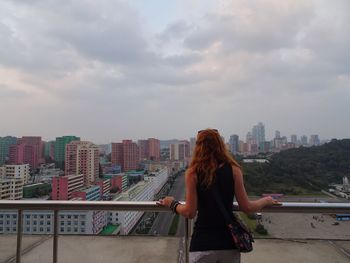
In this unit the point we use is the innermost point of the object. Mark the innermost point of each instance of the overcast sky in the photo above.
(109, 70)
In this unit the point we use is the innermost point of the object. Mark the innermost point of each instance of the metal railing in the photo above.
(56, 206)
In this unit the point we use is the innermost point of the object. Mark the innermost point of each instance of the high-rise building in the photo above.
(126, 154)
(277, 134)
(35, 141)
(234, 143)
(5, 143)
(304, 140)
(180, 151)
(314, 140)
(82, 158)
(23, 153)
(49, 152)
(143, 149)
(294, 139)
(149, 149)
(60, 149)
(258, 133)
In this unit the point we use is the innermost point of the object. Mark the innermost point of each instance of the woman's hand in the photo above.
(269, 201)
(166, 201)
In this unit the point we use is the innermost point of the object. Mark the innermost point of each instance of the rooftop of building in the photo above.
(133, 191)
(132, 249)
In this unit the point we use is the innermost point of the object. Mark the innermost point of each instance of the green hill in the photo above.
(301, 170)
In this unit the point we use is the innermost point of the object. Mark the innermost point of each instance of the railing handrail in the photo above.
(284, 207)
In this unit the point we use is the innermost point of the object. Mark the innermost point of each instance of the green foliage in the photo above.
(300, 171)
(261, 229)
(174, 225)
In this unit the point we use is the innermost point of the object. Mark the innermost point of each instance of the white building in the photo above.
(12, 179)
(15, 171)
(41, 222)
(11, 189)
(158, 179)
(142, 191)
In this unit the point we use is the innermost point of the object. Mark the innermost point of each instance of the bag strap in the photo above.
(221, 206)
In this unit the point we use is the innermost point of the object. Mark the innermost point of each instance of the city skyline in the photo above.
(117, 70)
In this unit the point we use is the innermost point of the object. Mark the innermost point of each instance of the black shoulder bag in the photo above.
(241, 236)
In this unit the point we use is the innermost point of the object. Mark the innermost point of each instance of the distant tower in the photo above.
(126, 154)
(345, 180)
(234, 143)
(258, 133)
(277, 134)
(82, 158)
(294, 139)
(314, 140)
(304, 140)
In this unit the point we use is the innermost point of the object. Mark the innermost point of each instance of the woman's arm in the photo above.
(244, 203)
(189, 209)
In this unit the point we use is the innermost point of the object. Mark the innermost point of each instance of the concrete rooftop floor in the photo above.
(130, 249)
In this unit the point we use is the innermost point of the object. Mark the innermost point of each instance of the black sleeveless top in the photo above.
(210, 231)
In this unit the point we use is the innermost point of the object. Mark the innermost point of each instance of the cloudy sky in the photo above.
(108, 70)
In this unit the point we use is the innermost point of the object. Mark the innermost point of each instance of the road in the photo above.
(163, 221)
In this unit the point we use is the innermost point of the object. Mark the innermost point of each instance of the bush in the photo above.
(261, 229)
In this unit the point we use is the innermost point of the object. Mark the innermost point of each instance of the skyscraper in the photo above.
(82, 158)
(126, 154)
(258, 133)
(294, 139)
(234, 143)
(314, 140)
(60, 149)
(180, 151)
(149, 149)
(26, 152)
(304, 140)
(5, 143)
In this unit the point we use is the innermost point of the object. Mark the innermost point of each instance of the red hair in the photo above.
(208, 154)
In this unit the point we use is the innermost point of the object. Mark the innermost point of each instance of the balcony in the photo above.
(87, 248)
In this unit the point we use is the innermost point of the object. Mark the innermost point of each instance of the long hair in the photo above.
(208, 154)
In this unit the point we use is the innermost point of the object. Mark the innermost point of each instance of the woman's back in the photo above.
(210, 231)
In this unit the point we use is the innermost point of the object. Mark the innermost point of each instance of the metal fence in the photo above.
(56, 206)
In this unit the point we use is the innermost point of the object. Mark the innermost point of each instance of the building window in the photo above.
(62, 223)
(62, 229)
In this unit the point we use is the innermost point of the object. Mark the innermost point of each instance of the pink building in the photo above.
(149, 149)
(82, 158)
(125, 154)
(154, 149)
(64, 186)
(23, 153)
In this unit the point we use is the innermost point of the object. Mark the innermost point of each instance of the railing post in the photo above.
(19, 235)
(187, 231)
(55, 235)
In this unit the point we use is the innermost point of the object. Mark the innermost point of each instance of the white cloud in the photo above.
(285, 63)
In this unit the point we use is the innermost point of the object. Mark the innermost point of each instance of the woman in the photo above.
(212, 165)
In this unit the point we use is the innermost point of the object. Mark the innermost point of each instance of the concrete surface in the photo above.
(132, 249)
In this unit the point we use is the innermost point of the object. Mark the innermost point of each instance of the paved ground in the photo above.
(303, 226)
(137, 249)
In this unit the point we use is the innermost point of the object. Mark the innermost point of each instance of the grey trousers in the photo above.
(216, 256)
